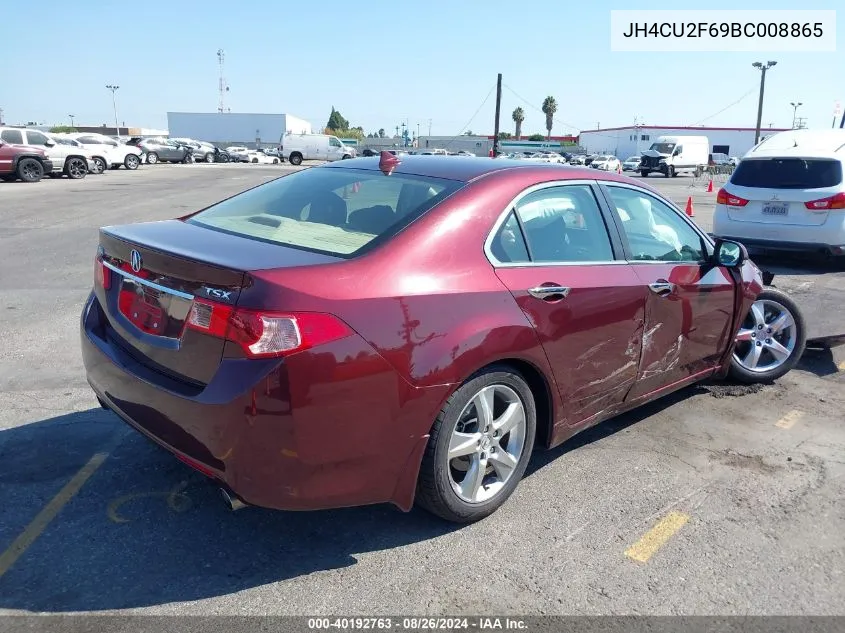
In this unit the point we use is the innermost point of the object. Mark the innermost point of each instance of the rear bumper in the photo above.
(319, 430)
(827, 238)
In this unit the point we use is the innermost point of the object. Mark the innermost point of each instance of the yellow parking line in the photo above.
(789, 420)
(652, 540)
(40, 522)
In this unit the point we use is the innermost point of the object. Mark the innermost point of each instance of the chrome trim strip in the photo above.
(144, 282)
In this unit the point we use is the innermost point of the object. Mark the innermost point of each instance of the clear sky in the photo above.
(380, 63)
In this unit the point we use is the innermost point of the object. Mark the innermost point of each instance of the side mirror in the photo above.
(50, 142)
(729, 254)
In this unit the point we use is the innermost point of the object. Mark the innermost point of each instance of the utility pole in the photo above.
(114, 89)
(836, 109)
(498, 111)
(1, 116)
(222, 86)
(429, 127)
(71, 117)
(759, 66)
(795, 105)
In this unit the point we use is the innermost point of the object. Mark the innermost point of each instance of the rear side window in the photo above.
(788, 173)
(328, 210)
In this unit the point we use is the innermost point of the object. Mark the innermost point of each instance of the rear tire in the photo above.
(644, 173)
(30, 170)
(775, 328)
(295, 158)
(499, 466)
(209, 158)
(152, 158)
(76, 168)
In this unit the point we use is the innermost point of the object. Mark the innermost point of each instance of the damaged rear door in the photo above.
(556, 256)
(690, 302)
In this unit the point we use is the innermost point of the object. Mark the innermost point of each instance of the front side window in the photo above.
(333, 211)
(33, 137)
(559, 225)
(334, 142)
(654, 230)
(14, 137)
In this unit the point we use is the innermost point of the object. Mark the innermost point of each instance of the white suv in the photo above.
(68, 160)
(787, 193)
(109, 152)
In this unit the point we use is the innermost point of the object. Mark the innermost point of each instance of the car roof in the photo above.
(468, 169)
(827, 143)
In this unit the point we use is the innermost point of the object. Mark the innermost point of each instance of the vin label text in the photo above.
(723, 31)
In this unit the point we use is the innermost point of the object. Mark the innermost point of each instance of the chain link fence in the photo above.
(719, 174)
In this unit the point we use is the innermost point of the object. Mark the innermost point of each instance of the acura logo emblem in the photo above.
(135, 260)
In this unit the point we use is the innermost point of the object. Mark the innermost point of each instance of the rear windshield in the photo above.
(328, 210)
(788, 173)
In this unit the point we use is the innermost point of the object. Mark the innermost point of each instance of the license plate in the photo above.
(776, 209)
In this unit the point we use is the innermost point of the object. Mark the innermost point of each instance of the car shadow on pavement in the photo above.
(798, 264)
(146, 530)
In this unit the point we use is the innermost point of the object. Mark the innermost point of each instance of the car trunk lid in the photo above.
(157, 270)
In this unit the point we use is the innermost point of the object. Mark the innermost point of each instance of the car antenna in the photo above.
(387, 162)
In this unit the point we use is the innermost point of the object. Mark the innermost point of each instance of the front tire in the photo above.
(644, 173)
(479, 447)
(101, 163)
(209, 158)
(770, 340)
(30, 170)
(131, 162)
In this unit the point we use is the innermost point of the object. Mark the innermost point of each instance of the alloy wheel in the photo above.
(486, 444)
(767, 337)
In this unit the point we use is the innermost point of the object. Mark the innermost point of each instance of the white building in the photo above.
(234, 128)
(632, 140)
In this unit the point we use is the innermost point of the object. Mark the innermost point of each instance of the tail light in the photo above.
(266, 334)
(102, 275)
(724, 197)
(826, 204)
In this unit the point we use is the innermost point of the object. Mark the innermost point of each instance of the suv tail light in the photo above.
(266, 334)
(826, 204)
(102, 275)
(724, 197)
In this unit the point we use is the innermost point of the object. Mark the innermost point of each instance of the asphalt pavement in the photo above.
(716, 500)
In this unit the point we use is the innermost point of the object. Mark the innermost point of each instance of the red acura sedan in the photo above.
(408, 329)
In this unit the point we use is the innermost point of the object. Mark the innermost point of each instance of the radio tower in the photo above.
(223, 87)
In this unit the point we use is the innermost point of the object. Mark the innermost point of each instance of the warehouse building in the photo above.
(632, 140)
(231, 128)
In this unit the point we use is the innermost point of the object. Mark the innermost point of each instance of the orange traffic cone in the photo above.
(619, 169)
(710, 186)
(689, 210)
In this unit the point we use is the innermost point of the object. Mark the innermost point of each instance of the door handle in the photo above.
(548, 292)
(662, 287)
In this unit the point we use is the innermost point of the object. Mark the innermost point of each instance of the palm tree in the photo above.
(518, 117)
(549, 109)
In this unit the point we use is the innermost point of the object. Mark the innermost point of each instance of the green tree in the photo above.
(504, 136)
(381, 133)
(62, 129)
(549, 109)
(337, 122)
(518, 117)
(536, 137)
(468, 133)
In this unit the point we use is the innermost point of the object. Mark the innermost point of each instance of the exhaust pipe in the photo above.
(231, 501)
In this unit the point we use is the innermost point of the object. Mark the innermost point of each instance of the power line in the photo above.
(727, 107)
(468, 123)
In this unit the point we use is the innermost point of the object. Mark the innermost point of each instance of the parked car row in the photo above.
(29, 155)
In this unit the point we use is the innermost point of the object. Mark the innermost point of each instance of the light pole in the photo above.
(114, 105)
(71, 117)
(795, 105)
(762, 68)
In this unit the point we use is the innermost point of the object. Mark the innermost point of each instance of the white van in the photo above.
(299, 147)
(673, 155)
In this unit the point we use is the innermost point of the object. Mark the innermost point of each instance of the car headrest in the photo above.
(328, 208)
(373, 220)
